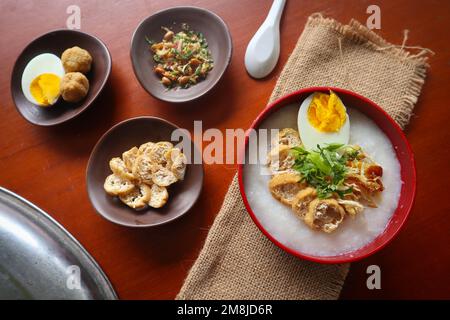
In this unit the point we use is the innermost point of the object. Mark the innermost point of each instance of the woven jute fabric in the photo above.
(237, 260)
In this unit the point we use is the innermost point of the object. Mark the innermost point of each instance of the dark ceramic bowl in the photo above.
(123, 136)
(56, 42)
(213, 28)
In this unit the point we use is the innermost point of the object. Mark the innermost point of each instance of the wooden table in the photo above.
(47, 165)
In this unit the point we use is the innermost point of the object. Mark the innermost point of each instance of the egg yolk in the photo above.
(326, 112)
(45, 88)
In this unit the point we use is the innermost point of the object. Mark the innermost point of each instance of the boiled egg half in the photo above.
(323, 119)
(41, 79)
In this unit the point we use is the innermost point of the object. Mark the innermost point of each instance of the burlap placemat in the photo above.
(237, 260)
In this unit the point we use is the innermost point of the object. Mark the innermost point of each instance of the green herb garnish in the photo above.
(182, 58)
(325, 168)
(157, 58)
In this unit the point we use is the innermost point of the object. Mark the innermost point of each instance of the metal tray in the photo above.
(39, 259)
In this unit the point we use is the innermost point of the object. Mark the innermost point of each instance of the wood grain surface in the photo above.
(47, 165)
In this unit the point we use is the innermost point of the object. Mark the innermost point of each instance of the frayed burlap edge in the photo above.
(360, 34)
(308, 277)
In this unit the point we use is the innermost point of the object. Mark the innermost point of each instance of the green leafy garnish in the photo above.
(325, 168)
(157, 58)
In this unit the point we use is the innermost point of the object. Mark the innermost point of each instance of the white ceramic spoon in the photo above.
(263, 49)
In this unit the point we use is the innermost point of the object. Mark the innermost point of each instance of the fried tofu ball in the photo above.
(74, 86)
(76, 59)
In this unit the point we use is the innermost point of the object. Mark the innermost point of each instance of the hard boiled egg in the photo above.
(41, 79)
(323, 119)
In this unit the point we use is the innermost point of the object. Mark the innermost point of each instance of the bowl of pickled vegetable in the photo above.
(180, 54)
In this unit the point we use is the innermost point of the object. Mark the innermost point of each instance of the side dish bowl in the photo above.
(200, 20)
(56, 42)
(123, 136)
(400, 146)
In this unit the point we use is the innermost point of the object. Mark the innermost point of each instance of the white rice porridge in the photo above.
(284, 226)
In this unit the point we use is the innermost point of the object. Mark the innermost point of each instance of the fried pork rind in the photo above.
(138, 198)
(129, 157)
(162, 176)
(176, 162)
(118, 167)
(158, 153)
(351, 207)
(289, 137)
(324, 215)
(140, 178)
(142, 169)
(145, 148)
(281, 159)
(285, 186)
(159, 196)
(115, 185)
(301, 201)
(358, 176)
(363, 188)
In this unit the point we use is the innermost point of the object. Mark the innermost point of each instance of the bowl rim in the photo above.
(94, 97)
(337, 259)
(201, 93)
(97, 146)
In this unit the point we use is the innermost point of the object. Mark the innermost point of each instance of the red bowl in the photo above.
(404, 154)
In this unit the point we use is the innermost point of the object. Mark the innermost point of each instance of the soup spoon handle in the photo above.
(275, 12)
(263, 49)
